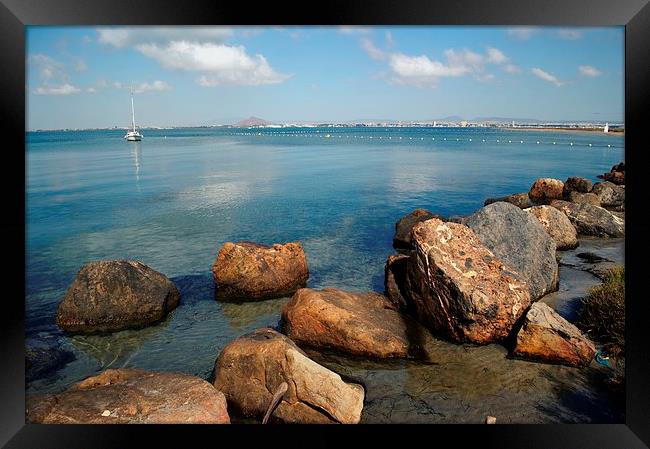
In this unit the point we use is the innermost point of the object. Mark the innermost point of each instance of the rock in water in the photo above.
(544, 190)
(132, 396)
(111, 295)
(592, 220)
(44, 357)
(251, 271)
(521, 242)
(615, 175)
(251, 368)
(546, 336)
(576, 184)
(404, 225)
(521, 200)
(362, 324)
(394, 277)
(609, 194)
(458, 286)
(557, 225)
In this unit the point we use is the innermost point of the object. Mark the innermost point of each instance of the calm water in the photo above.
(173, 199)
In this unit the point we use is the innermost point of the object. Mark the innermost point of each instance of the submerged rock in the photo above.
(547, 337)
(545, 190)
(609, 194)
(394, 277)
(250, 369)
(521, 200)
(521, 242)
(577, 184)
(44, 357)
(252, 271)
(132, 396)
(592, 220)
(404, 225)
(113, 295)
(362, 324)
(459, 288)
(557, 225)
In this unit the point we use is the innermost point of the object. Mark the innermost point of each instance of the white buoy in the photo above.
(538, 142)
(589, 144)
(521, 141)
(470, 140)
(571, 144)
(608, 145)
(445, 138)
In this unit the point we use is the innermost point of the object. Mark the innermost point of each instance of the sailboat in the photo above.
(133, 135)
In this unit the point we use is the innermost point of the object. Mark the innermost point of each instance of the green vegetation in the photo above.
(603, 313)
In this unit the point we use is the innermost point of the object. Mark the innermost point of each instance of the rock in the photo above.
(251, 271)
(583, 198)
(544, 190)
(521, 242)
(250, 369)
(576, 184)
(521, 200)
(609, 194)
(546, 336)
(459, 288)
(557, 225)
(616, 175)
(43, 358)
(112, 295)
(404, 225)
(592, 220)
(394, 277)
(360, 324)
(132, 396)
(490, 420)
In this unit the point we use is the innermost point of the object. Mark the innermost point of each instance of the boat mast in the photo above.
(132, 110)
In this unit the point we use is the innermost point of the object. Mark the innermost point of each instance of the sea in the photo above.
(173, 199)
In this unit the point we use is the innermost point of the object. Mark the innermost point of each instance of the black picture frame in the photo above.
(16, 14)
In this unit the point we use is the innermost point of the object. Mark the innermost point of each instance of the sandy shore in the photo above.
(570, 130)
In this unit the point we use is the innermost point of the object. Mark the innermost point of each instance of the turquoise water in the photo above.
(173, 199)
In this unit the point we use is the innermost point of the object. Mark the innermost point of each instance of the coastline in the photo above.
(569, 130)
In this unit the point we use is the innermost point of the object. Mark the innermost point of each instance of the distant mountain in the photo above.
(252, 121)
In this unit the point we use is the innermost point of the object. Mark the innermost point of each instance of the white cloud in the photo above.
(546, 76)
(91, 90)
(569, 34)
(496, 56)
(587, 70)
(522, 33)
(131, 36)
(511, 68)
(65, 89)
(390, 41)
(371, 50)
(156, 86)
(354, 30)
(48, 69)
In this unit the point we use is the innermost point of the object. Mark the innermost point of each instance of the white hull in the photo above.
(133, 136)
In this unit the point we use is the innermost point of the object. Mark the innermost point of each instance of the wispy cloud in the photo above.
(354, 30)
(522, 33)
(546, 76)
(569, 34)
(64, 89)
(371, 50)
(511, 68)
(587, 70)
(131, 36)
(52, 75)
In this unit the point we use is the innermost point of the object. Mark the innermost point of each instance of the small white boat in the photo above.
(133, 136)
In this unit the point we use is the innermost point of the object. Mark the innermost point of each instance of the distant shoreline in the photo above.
(569, 130)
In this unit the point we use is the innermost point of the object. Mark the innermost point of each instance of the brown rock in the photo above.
(616, 175)
(394, 277)
(584, 198)
(544, 190)
(362, 324)
(546, 336)
(459, 288)
(132, 396)
(592, 220)
(112, 295)
(557, 225)
(250, 369)
(609, 194)
(251, 271)
(521, 200)
(404, 225)
(576, 184)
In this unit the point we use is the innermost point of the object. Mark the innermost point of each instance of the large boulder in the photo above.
(546, 336)
(459, 288)
(592, 220)
(132, 396)
(545, 190)
(361, 324)
(404, 225)
(250, 369)
(609, 194)
(557, 225)
(521, 242)
(583, 198)
(394, 277)
(252, 271)
(577, 184)
(111, 295)
(521, 200)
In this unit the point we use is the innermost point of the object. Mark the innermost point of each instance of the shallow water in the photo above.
(173, 199)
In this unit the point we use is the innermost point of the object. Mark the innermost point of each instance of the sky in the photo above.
(80, 77)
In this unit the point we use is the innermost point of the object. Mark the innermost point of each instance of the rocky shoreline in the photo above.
(473, 280)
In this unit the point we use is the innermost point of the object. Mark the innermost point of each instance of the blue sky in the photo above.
(78, 77)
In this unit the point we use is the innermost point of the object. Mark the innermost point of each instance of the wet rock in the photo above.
(361, 324)
(616, 175)
(521, 242)
(252, 271)
(591, 220)
(132, 396)
(583, 198)
(545, 190)
(394, 277)
(44, 357)
(113, 295)
(250, 369)
(609, 194)
(557, 225)
(576, 184)
(596, 265)
(521, 200)
(547, 337)
(404, 225)
(459, 288)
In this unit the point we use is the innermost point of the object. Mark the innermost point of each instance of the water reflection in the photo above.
(137, 155)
